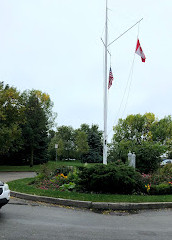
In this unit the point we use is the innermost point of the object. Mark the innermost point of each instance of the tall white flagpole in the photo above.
(105, 90)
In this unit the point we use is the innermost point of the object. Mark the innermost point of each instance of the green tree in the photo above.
(84, 143)
(35, 128)
(136, 128)
(94, 136)
(64, 137)
(135, 133)
(11, 116)
(81, 144)
(148, 156)
(162, 130)
(38, 114)
(25, 119)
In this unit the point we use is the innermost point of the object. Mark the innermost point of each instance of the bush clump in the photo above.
(160, 182)
(64, 169)
(161, 189)
(111, 178)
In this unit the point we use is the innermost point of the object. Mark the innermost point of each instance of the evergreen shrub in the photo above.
(112, 178)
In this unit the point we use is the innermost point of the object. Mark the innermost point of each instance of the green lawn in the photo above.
(36, 168)
(22, 186)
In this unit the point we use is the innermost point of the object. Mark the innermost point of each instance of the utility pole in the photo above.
(105, 90)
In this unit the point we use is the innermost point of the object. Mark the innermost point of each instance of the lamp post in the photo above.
(56, 146)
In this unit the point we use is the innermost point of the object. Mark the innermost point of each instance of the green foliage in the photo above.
(148, 156)
(141, 134)
(162, 130)
(35, 130)
(63, 169)
(119, 150)
(111, 178)
(73, 176)
(95, 145)
(135, 128)
(25, 119)
(163, 175)
(64, 137)
(161, 189)
(44, 172)
(60, 179)
(160, 182)
(68, 186)
(166, 170)
(22, 185)
(11, 116)
(83, 144)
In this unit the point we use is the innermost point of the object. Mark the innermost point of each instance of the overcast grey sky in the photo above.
(55, 46)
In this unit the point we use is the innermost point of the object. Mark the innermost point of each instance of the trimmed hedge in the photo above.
(111, 178)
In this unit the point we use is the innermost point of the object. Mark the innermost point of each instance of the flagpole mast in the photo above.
(105, 90)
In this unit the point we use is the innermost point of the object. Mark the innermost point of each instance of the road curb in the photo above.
(93, 205)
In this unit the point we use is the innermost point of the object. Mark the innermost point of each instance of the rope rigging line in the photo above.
(128, 85)
(132, 68)
(131, 78)
(129, 81)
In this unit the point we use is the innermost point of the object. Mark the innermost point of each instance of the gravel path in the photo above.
(10, 176)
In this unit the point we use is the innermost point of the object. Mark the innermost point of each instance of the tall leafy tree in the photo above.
(162, 132)
(81, 144)
(136, 128)
(94, 136)
(38, 114)
(25, 119)
(11, 116)
(64, 137)
(138, 134)
(84, 143)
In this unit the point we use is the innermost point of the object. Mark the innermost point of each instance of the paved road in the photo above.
(28, 220)
(9, 176)
(34, 221)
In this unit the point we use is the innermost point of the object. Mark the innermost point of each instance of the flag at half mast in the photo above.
(110, 78)
(139, 51)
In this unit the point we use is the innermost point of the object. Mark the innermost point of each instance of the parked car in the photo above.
(166, 161)
(4, 194)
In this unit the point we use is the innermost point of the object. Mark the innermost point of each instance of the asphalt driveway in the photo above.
(35, 221)
(10, 176)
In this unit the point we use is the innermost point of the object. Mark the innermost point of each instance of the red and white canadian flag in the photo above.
(139, 51)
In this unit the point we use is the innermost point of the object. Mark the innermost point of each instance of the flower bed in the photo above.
(55, 180)
(160, 182)
(118, 179)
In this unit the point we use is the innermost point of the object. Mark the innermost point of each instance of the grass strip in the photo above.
(22, 186)
(35, 168)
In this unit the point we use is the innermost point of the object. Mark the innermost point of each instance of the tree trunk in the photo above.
(31, 157)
